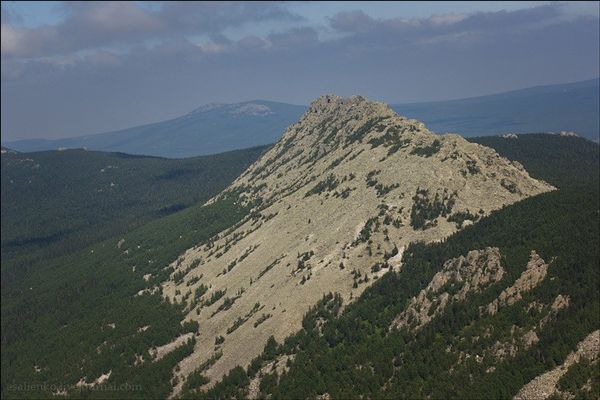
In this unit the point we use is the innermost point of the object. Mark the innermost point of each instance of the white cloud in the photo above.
(96, 25)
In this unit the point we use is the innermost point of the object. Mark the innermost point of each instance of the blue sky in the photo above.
(72, 68)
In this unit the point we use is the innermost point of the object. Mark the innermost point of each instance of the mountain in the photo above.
(505, 308)
(215, 128)
(98, 315)
(210, 129)
(55, 202)
(334, 204)
(551, 108)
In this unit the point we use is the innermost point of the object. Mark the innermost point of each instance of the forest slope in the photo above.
(56, 202)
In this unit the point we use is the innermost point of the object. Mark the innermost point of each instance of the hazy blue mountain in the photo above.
(210, 129)
(215, 128)
(553, 108)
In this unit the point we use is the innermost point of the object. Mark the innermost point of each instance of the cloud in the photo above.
(393, 59)
(88, 25)
(214, 17)
(453, 27)
(356, 21)
(252, 42)
(92, 25)
(294, 38)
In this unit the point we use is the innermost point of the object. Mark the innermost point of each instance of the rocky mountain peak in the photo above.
(332, 119)
(334, 203)
(332, 105)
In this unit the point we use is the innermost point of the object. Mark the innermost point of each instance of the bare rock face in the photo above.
(560, 302)
(344, 190)
(459, 277)
(544, 386)
(534, 274)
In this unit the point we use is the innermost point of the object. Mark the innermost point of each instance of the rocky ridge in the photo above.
(522, 338)
(339, 197)
(459, 277)
(466, 276)
(544, 386)
(534, 273)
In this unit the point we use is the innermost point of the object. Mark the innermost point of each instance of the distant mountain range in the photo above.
(553, 108)
(210, 129)
(215, 128)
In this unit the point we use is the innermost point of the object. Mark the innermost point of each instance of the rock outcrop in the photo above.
(458, 278)
(534, 274)
(544, 386)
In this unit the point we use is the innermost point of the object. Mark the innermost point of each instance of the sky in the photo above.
(77, 68)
